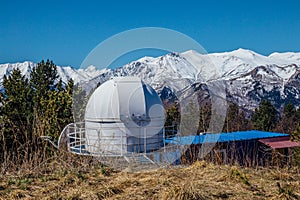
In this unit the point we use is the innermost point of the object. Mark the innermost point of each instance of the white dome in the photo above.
(102, 104)
(122, 114)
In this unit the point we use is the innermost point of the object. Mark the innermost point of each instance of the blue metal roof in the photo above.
(223, 137)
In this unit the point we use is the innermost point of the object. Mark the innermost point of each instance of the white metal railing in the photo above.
(76, 141)
(75, 135)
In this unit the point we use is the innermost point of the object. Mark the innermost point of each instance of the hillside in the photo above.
(200, 181)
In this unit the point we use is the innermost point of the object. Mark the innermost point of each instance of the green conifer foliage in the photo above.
(235, 119)
(264, 117)
(16, 113)
(29, 109)
(172, 119)
(79, 103)
(289, 119)
(205, 117)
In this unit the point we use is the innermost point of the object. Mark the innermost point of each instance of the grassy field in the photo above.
(201, 180)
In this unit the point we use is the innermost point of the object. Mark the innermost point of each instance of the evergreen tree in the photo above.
(52, 100)
(231, 118)
(42, 80)
(298, 114)
(289, 110)
(289, 119)
(79, 103)
(172, 119)
(58, 111)
(295, 136)
(235, 119)
(16, 113)
(264, 117)
(41, 106)
(205, 117)
(244, 123)
(189, 123)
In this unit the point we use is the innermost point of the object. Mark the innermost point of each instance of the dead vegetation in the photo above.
(83, 178)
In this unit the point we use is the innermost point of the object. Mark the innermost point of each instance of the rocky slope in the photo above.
(247, 76)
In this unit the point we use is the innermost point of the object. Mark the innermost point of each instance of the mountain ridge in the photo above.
(249, 77)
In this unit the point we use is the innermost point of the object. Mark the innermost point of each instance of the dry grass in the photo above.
(201, 180)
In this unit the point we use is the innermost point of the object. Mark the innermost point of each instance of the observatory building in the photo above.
(124, 115)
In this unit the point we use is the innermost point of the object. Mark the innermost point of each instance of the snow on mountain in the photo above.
(65, 73)
(286, 58)
(188, 65)
(25, 67)
(206, 67)
(249, 76)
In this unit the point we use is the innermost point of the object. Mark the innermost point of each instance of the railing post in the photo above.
(145, 140)
(68, 138)
(164, 138)
(80, 147)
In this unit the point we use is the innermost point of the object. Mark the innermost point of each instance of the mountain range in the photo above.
(248, 76)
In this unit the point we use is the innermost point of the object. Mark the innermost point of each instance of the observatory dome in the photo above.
(124, 115)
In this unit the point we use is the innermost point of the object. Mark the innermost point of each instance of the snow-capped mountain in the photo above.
(248, 76)
(65, 73)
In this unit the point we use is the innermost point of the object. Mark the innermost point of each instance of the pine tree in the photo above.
(295, 136)
(289, 110)
(264, 117)
(52, 100)
(59, 109)
(79, 103)
(289, 119)
(16, 113)
(235, 119)
(189, 123)
(172, 119)
(42, 80)
(41, 106)
(205, 117)
(244, 123)
(64, 105)
(231, 121)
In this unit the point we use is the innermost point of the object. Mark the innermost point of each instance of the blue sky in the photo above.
(66, 31)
